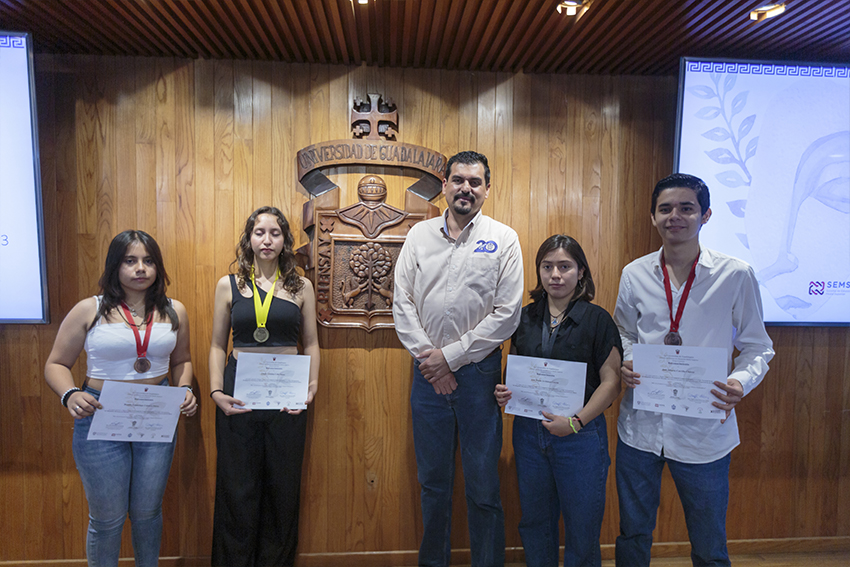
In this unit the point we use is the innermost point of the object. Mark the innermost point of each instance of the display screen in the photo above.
(23, 289)
(772, 142)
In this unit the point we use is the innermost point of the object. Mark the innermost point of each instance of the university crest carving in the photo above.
(353, 249)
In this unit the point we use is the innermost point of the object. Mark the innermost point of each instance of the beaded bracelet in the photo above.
(67, 395)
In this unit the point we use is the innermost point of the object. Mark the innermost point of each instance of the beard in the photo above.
(463, 207)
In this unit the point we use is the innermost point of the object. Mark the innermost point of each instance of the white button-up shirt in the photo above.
(723, 310)
(462, 296)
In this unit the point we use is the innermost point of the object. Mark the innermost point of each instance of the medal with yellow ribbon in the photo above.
(261, 310)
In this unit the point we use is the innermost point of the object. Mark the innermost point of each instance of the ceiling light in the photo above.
(571, 7)
(766, 11)
(362, 1)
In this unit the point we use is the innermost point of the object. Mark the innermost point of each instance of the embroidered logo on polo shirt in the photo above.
(487, 246)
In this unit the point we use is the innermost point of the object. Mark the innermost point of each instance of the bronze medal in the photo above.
(673, 338)
(142, 365)
(261, 334)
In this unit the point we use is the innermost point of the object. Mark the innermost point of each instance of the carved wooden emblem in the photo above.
(353, 250)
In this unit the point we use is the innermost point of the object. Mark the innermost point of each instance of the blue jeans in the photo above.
(469, 415)
(703, 490)
(561, 475)
(121, 478)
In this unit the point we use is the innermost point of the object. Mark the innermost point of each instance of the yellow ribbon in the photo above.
(261, 310)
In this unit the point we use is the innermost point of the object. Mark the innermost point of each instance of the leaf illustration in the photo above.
(715, 77)
(702, 92)
(728, 83)
(739, 102)
(708, 112)
(746, 126)
(743, 239)
(730, 178)
(752, 145)
(721, 155)
(717, 134)
(738, 208)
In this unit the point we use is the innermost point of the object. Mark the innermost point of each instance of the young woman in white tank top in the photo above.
(122, 478)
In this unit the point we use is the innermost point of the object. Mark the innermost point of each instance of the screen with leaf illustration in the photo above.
(772, 141)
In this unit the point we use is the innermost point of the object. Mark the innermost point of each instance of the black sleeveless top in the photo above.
(284, 322)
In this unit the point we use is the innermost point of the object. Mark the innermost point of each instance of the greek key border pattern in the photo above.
(768, 69)
(12, 41)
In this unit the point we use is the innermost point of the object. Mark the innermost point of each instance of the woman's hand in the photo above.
(190, 404)
(558, 424)
(503, 395)
(228, 404)
(82, 404)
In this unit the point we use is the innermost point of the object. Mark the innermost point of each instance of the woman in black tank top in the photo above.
(260, 452)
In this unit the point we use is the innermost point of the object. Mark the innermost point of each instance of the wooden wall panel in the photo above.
(186, 149)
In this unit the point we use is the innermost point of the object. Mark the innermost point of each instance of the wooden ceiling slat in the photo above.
(268, 34)
(613, 37)
(463, 35)
(500, 29)
(207, 19)
(450, 34)
(337, 33)
(349, 29)
(297, 30)
(279, 21)
(133, 17)
(232, 11)
(189, 29)
(524, 32)
(308, 21)
(438, 31)
(190, 20)
(479, 27)
(99, 14)
(423, 32)
(591, 23)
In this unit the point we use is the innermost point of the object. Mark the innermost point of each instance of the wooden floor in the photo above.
(821, 559)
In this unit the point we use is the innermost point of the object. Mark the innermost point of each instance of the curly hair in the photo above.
(244, 261)
(110, 285)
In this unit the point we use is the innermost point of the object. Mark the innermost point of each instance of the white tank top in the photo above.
(111, 350)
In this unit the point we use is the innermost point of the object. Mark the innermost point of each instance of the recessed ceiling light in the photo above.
(571, 7)
(766, 11)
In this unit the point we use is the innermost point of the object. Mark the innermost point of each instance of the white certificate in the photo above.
(136, 412)
(678, 379)
(541, 384)
(272, 381)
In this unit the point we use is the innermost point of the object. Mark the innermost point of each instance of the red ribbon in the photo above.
(674, 323)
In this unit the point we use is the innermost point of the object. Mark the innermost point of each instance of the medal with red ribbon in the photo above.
(673, 337)
(142, 364)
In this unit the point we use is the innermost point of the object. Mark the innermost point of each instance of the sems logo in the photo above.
(829, 287)
(487, 246)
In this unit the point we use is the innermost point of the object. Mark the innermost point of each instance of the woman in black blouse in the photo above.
(562, 462)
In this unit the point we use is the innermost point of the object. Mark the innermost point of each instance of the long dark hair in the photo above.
(585, 289)
(110, 285)
(286, 261)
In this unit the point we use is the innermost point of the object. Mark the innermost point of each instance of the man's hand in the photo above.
(628, 375)
(433, 365)
(732, 393)
(445, 385)
(503, 395)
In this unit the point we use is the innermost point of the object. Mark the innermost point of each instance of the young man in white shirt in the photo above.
(689, 295)
(458, 293)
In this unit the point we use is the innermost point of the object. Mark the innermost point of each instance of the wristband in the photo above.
(67, 395)
(573, 427)
(188, 388)
(217, 390)
(578, 419)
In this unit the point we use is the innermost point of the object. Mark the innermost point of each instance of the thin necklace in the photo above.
(555, 318)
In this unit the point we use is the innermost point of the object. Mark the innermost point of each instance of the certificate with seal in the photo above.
(678, 379)
(136, 412)
(272, 381)
(541, 384)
